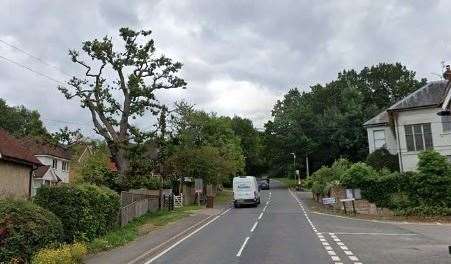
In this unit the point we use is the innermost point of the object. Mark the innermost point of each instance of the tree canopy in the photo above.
(119, 85)
(19, 121)
(326, 122)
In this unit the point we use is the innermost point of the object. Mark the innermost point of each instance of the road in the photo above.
(283, 230)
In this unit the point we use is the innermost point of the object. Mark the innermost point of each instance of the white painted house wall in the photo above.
(390, 140)
(48, 160)
(441, 140)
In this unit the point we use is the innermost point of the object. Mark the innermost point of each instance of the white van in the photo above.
(245, 191)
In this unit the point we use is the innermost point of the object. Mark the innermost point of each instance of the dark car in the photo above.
(264, 184)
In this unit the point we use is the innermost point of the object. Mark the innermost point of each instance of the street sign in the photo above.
(349, 194)
(198, 185)
(297, 172)
(329, 200)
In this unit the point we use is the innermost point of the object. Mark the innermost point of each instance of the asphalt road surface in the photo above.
(282, 230)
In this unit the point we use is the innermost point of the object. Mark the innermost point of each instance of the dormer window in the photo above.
(55, 164)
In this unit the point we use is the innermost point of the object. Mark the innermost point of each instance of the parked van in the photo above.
(245, 191)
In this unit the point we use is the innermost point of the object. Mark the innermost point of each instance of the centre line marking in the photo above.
(242, 247)
(260, 216)
(254, 226)
(186, 237)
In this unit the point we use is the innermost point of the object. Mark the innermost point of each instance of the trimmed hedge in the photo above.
(24, 229)
(86, 211)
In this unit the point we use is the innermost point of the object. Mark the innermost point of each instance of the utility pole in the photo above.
(306, 166)
(294, 163)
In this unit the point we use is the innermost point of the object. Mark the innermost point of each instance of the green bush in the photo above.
(86, 211)
(65, 254)
(358, 175)
(25, 228)
(380, 187)
(432, 183)
(382, 158)
(323, 179)
(424, 211)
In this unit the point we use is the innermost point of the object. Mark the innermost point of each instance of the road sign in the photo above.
(329, 200)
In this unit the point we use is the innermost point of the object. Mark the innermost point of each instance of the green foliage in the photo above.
(20, 121)
(25, 228)
(203, 146)
(358, 175)
(323, 179)
(65, 254)
(380, 188)
(251, 144)
(425, 211)
(326, 122)
(382, 158)
(86, 211)
(433, 180)
(95, 170)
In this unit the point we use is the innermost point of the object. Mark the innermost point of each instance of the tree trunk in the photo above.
(120, 157)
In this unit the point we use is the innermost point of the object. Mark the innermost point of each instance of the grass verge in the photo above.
(287, 182)
(224, 197)
(139, 226)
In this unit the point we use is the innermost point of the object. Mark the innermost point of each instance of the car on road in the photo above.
(246, 191)
(264, 184)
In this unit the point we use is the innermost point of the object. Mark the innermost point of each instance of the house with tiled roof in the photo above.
(56, 160)
(17, 166)
(417, 122)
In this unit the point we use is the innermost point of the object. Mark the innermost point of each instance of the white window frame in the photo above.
(414, 137)
(446, 124)
(65, 165)
(55, 164)
(379, 139)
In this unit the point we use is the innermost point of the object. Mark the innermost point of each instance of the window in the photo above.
(65, 165)
(446, 124)
(55, 164)
(418, 137)
(379, 139)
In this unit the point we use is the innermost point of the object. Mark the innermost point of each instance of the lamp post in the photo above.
(294, 163)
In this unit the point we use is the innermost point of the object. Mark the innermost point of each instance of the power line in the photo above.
(34, 57)
(30, 69)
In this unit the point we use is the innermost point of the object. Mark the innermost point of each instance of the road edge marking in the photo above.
(186, 237)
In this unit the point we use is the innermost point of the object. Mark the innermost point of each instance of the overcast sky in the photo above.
(239, 56)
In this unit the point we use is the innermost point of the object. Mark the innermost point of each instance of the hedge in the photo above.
(86, 211)
(24, 229)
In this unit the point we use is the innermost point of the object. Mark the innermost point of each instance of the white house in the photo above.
(414, 124)
(56, 160)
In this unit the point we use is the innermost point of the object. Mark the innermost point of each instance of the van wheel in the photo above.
(258, 201)
(236, 205)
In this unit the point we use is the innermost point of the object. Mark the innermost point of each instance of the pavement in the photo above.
(280, 230)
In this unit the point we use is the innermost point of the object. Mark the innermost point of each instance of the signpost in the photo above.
(329, 200)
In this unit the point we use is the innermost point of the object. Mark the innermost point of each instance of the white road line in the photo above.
(260, 216)
(186, 237)
(242, 247)
(380, 221)
(254, 226)
(379, 234)
(343, 247)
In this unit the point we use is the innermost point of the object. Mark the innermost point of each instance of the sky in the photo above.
(239, 56)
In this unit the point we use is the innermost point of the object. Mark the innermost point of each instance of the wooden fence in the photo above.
(138, 202)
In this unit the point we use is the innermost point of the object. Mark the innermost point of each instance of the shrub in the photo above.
(65, 254)
(25, 228)
(425, 211)
(358, 175)
(432, 185)
(382, 158)
(379, 188)
(323, 179)
(86, 211)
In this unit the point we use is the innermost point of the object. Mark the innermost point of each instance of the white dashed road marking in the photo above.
(345, 249)
(326, 245)
(242, 247)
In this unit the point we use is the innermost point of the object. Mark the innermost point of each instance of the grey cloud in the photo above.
(271, 45)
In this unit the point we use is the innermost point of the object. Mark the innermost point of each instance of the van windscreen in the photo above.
(244, 186)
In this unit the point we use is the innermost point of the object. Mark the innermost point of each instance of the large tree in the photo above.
(19, 121)
(326, 122)
(120, 85)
